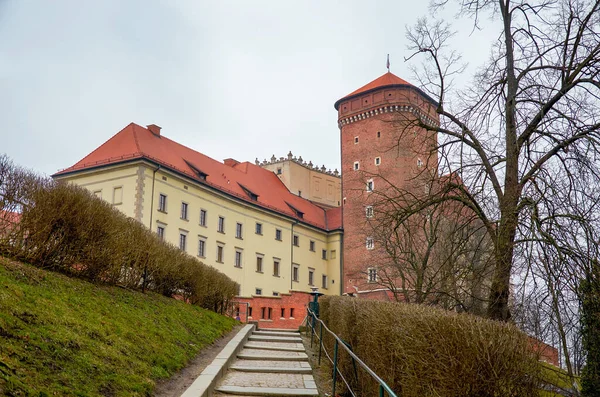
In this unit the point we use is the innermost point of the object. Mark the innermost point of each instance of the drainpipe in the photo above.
(145, 276)
(292, 257)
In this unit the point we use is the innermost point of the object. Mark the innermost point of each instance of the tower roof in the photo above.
(387, 80)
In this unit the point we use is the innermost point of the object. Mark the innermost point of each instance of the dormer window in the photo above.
(200, 174)
(297, 212)
(253, 196)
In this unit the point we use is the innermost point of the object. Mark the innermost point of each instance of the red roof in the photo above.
(243, 180)
(383, 81)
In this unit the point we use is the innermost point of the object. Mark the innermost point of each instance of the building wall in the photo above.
(139, 201)
(379, 125)
(314, 184)
(287, 311)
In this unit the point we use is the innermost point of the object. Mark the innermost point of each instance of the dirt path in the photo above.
(178, 383)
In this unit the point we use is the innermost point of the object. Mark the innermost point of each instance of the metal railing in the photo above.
(311, 321)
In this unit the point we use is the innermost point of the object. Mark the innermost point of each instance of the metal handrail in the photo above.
(382, 385)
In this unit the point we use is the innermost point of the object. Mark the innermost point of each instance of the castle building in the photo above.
(383, 150)
(280, 227)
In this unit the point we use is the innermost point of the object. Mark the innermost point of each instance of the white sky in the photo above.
(240, 79)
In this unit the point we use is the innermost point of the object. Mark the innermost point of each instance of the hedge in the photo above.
(65, 228)
(423, 351)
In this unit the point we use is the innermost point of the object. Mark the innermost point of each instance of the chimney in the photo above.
(231, 162)
(153, 128)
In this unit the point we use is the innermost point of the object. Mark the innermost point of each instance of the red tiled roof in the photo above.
(385, 80)
(137, 142)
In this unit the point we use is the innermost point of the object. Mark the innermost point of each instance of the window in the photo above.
(269, 312)
(182, 241)
(372, 275)
(295, 273)
(311, 276)
(276, 268)
(369, 211)
(324, 254)
(333, 254)
(118, 195)
(378, 134)
(377, 160)
(370, 243)
(291, 312)
(98, 193)
(275, 293)
(258, 291)
(259, 228)
(282, 312)
(278, 234)
(356, 166)
(238, 230)
(312, 245)
(279, 171)
(221, 225)
(160, 230)
(419, 163)
(370, 185)
(355, 140)
(203, 218)
(238, 258)
(202, 247)
(324, 281)
(219, 253)
(259, 264)
(162, 202)
(184, 211)
(296, 240)
(249, 311)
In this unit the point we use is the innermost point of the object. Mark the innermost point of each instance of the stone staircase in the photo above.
(271, 363)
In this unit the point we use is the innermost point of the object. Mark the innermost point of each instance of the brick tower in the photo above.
(382, 149)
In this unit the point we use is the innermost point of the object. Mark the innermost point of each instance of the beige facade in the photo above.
(305, 180)
(255, 246)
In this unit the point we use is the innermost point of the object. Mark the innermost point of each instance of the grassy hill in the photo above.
(67, 337)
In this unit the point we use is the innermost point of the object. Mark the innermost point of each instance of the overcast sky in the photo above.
(240, 79)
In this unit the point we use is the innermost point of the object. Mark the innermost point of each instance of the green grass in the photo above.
(66, 337)
(556, 377)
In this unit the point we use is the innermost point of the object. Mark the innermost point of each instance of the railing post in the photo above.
(380, 390)
(312, 330)
(320, 341)
(335, 360)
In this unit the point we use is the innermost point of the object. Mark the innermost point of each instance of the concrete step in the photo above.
(241, 391)
(277, 333)
(271, 370)
(274, 346)
(272, 363)
(266, 338)
(271, 355)
(278, 329)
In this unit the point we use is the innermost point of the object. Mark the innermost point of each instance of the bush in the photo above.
(66, 228)
(423, 351)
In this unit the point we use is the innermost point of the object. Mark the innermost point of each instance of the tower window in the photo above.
(419, 163)
(378, 134)
(370, 243)
(369, 211)
(356, 166)
(372, 275)
(370, 185)
(355, 140)
(377, 160)
(279, 171)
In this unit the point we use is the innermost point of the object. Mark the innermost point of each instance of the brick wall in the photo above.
(286, 311)
(392, 138)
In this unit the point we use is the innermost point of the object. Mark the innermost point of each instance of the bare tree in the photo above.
(523, 136)
(438, 256)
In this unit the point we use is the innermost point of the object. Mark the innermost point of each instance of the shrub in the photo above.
(424, 351)
(66, 228)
